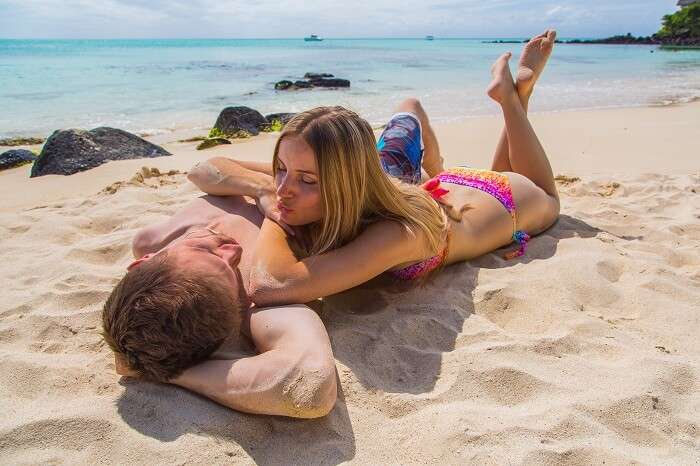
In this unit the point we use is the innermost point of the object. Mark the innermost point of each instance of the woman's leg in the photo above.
(532, 61)
(501, 158)
(526, 155)
(432, 161)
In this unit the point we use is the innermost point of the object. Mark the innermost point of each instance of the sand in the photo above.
(583, 352)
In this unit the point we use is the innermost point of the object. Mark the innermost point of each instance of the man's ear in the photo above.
(122, 367)
(139, 261)
(120, 363)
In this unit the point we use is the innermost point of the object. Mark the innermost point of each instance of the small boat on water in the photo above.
(312, 38)
(429, 38)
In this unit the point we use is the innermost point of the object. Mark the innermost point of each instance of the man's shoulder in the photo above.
(279, 311)
(277, 320)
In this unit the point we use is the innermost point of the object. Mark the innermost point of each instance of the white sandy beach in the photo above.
(585, 351)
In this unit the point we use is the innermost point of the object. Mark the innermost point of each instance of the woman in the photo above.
(327, 196)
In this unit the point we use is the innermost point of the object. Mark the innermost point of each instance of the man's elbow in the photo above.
(315, 392)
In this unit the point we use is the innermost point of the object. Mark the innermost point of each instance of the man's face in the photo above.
(297, 183)
(211, 254)
(206, 253)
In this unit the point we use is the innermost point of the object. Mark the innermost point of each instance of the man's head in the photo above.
(173, 309)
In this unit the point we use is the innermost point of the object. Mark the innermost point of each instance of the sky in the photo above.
(103, 19)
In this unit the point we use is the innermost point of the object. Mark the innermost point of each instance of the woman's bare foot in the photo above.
(532, 61)
(502, 86)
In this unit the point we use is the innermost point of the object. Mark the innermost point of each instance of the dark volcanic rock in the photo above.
(281, 117)
(20, 141)
(283, 85)
(75, 150)
(501, 41)
(330, 82)
(233, 120)
(212, 142)
(15, 158)
(318, 75)
(312, 80)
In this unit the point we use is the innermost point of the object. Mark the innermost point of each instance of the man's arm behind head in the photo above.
(293, 376)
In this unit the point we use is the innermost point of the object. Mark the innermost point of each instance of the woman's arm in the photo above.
(293, 376)
(226, 177)
(277, 276)
(220, 176)
(262, 167)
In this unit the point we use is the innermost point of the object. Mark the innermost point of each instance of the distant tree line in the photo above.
(683, 24)
(681, 29)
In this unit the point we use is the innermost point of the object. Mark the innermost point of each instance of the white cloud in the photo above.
(332, 18)
(556, 10)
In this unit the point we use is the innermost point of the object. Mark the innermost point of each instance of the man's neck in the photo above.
(247, 244)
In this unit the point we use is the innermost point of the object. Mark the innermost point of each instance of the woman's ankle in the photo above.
(524, 101)
(512, 100)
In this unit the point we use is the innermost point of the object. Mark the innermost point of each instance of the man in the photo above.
(188, 291)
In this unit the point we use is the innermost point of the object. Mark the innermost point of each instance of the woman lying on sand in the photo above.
(328, 194)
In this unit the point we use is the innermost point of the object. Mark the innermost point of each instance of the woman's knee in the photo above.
(412, 105)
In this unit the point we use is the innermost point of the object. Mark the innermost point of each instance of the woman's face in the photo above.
(297, 183)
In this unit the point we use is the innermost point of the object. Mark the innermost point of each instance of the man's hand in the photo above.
(267, 204)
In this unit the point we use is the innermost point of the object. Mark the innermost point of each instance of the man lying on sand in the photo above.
(188, 292)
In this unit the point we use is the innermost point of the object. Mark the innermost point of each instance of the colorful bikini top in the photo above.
(494, 183)
(423, 268)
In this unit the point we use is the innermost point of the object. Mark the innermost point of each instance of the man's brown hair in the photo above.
(163, 321)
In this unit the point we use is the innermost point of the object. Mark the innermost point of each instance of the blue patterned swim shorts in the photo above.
(400, 148)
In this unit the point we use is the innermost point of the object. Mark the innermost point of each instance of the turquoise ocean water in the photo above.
(152, 86)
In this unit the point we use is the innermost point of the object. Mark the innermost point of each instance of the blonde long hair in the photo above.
(355, 190)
